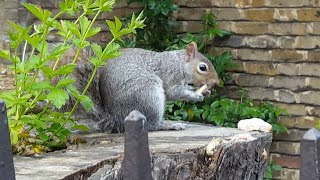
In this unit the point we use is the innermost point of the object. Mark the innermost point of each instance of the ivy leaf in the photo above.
(58, 97)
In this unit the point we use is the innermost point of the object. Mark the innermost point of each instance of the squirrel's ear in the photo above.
(191, 51)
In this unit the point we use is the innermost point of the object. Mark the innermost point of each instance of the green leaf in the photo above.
(106, 5)
(43, 136)
(42, 85)
(5, 54)
(84, 24)
(36, 10)
(34, 40)
(86, 103)
(65, 69)
(65, 82)
(95, 61)
(73, 28)
(47, 71)
(54, 127)
(118, 24)
(93, 31)
(64, 29)
(36, 62)
(85, 44)
(276, 167)
(58, 51)
(73, 90)
(58, 97)
(112, 27)
(68, 6)
(42, 47)
(81, 127)
(111, 51)
(8, 97)
(96, 49)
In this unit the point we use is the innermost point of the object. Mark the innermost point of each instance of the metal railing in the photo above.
(310, 155)
(7, 171)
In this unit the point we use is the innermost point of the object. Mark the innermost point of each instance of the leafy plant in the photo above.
(159, 25)
(270, 169)
(222, 111)
(216, 110)
(35, 132)
(204, 38)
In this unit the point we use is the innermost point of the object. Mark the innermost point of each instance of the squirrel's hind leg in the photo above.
(153, 107)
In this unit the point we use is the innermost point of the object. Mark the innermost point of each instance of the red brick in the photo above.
(287, 161)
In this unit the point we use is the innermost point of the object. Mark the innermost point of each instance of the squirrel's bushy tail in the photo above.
(97, 119)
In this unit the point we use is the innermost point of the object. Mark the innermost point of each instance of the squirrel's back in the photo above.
(137, 74)
(142, 80)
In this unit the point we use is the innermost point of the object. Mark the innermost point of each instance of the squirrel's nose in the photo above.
(213, 82)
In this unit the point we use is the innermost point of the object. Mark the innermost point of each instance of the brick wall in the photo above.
(275, 44)
(8, 11)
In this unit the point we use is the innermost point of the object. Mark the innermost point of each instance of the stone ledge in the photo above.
(103, 150)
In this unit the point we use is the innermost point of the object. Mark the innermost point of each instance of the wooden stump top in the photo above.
(104, 150)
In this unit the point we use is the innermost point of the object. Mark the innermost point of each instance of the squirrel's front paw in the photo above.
(196, 97)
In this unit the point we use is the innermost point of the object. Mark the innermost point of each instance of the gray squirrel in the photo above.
(144, 80)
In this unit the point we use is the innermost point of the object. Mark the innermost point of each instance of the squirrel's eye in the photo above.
(203, 67)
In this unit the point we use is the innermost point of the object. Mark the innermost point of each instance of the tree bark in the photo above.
(234, 158)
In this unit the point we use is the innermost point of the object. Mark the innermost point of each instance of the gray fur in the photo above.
(143, 80)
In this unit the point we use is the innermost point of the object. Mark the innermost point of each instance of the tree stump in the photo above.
(239, 156)
(198, 152)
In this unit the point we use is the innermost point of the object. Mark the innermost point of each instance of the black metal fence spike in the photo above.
(7, 171)
(136, 163)
(310, 155)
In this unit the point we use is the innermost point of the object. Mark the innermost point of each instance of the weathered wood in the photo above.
(6, 158)
(310, 156)
(178, 154)
(240, 157)
(136, 163)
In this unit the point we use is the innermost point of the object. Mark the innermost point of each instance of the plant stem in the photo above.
(83, 92)
(84, 37)
(56, 63)
(44, 36)
(65, 41)
(57, 15)
(16, 81)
